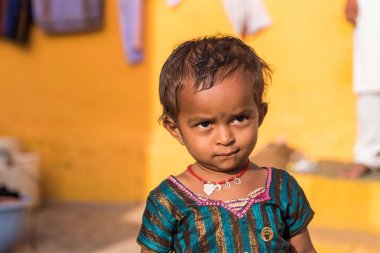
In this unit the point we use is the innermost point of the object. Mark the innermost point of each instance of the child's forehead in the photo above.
(225, 98)
(223, 88)
(190, 84)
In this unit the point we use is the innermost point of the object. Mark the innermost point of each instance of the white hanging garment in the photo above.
(173, 3)
(366, 70)
(247, 16)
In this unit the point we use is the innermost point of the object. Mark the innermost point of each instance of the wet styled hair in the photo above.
(205, 61)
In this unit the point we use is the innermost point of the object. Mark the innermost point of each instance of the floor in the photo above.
(82, 228)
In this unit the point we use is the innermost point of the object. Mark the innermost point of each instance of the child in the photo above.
(212, 92)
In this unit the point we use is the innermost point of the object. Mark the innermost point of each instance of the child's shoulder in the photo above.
(162, 188)
(281, 173)
(283, 176)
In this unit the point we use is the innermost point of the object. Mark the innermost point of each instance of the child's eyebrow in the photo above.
(198, 119)
(244, 111)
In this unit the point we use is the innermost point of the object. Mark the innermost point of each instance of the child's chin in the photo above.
(230, 163)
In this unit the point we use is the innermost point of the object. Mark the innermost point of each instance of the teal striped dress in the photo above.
(177, 220)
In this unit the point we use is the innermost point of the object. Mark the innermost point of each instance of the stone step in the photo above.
(343, 204)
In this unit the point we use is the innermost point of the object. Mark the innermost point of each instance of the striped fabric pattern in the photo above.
(177, 220)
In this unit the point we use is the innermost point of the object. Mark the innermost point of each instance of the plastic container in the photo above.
(12, 220)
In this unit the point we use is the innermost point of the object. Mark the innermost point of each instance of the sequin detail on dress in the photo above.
(240, 203)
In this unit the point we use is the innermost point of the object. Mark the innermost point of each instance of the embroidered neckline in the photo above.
(239, 203)
(204, 201)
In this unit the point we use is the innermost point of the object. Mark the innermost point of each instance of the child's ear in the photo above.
(262, 112)
(173, 129)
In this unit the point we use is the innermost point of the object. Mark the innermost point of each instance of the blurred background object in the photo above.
(68, 16)
(15, 20)
(19, 190)
(13, 213)
(19, 170)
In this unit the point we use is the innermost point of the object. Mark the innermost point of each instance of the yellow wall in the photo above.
(93, 118)
(76, 101)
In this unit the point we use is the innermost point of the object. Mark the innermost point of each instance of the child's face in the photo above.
(219, 126)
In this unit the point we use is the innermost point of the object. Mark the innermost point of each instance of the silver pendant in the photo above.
(208, 188)
(237, 180)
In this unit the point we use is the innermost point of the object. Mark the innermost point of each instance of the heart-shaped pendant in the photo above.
(208, 188)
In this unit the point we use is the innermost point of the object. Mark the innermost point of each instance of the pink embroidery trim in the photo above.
(240, 214)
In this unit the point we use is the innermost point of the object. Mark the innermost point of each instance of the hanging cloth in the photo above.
(15, 20)
(366, 56)
(130, 13)
(3, 6)
(67, 16)
(247, 16)
(173, 3)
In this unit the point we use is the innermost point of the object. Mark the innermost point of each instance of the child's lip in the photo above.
(229, 153)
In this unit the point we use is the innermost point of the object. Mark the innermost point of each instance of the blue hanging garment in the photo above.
(15, 20)
(130, 13)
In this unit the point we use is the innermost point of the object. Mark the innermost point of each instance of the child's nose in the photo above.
(224, 136)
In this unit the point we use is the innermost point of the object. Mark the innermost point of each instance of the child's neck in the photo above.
(253, 178)
(217, 172)
(209, 186)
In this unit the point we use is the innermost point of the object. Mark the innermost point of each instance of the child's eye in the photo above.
(204, 124)
(240, 118)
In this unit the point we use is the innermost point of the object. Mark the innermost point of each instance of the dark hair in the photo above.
(206, 61)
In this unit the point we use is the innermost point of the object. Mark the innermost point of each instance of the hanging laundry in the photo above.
(67, 16)
(130, 12)
(3, 6)
(15, 20)
(247, 16)
(173, 3)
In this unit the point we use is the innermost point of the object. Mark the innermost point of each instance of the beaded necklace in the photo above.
(209, 187)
